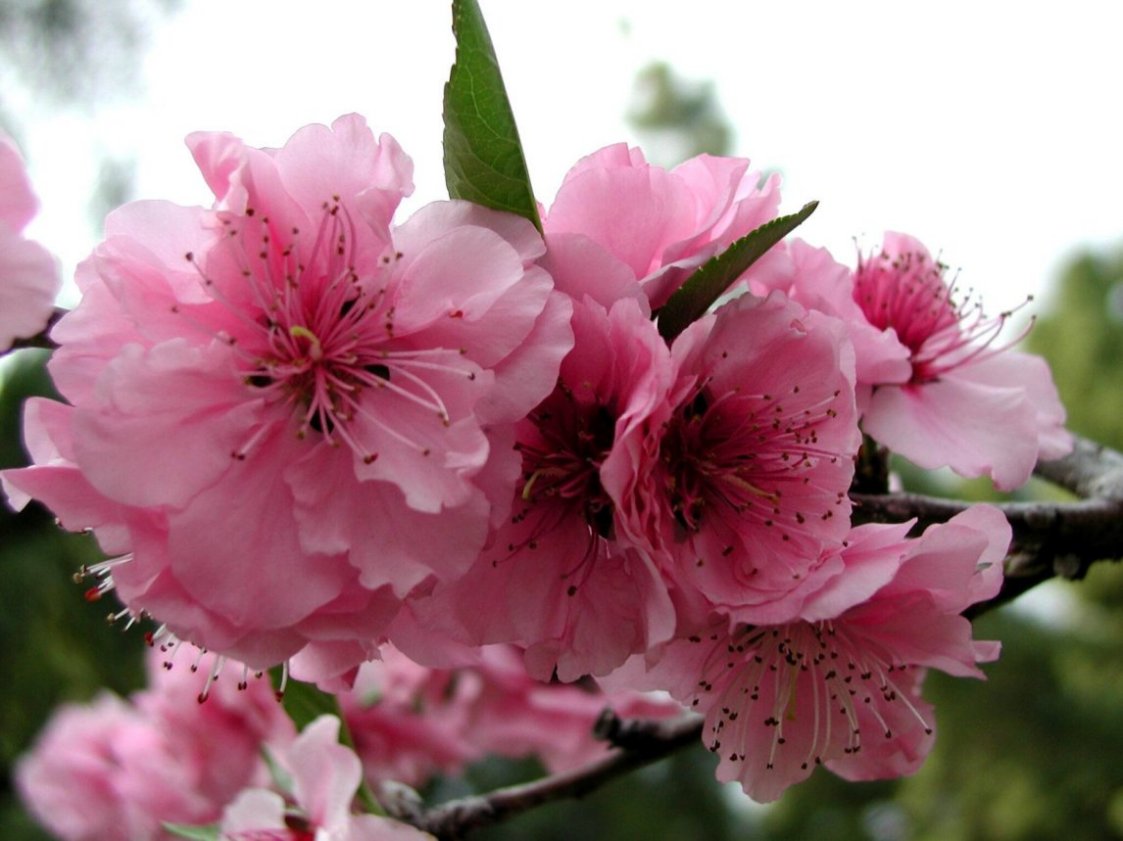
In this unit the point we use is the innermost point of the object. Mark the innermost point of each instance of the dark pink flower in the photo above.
(840, 686)
(287, 413)
(970, 403)
(553, 578)
(747, 483)
(29, 277)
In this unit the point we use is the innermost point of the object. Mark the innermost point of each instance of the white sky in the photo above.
(989, 130)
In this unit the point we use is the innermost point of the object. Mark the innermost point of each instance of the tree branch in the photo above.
(638, 743)
(1051, 539)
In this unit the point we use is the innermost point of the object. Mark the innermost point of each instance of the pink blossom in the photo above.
(75, 783)
(969, 404)
(285, 414)
(840, 687)
(515, 715)
(410, 722)
(325, 776)
(660, 225)
(552, 577)
(116, 769)
(29, 277)
(747, 484)
(813, 278)
(215, 716)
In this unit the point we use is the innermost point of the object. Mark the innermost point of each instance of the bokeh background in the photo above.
(988, 131)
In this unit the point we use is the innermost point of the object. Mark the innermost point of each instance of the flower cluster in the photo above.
(117, 768)
(192, 747)
(301, 430)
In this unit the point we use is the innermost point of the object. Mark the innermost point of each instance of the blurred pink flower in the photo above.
(970, 403)
(841, 686)
(286, 415)
(515, 715)
(115, 769)
(325, 776)
(29, 278)
(410, 723)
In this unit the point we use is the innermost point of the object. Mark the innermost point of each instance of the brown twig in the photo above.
(1051, 539)
(638, 743)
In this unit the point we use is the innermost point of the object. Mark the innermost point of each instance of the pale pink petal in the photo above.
(973, 428)
(659, 212)
(251, 812)
(345, 160)
(583, 268)
(218, 156)
(325, 773)
(460, 275)
(898, 743)
(29, 278)
(1031, 373)
(274, 582)
(872, 556)
(389, 541)
(28, 284)
(166, 428)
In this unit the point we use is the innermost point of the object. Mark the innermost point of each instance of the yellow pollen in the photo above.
(315, 350)
(749, 487)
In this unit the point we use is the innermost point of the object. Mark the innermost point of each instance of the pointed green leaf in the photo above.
(484, 160)
(691, 300)
(195, 833)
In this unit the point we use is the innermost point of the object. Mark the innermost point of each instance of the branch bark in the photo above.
(638, 743)
(1051, 539)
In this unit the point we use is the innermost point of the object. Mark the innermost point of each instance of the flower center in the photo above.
(733, 457)
(810, 685)
(562, 460)
(316, 336)
(908, 292)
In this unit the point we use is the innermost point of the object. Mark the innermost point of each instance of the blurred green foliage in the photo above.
(677, 118)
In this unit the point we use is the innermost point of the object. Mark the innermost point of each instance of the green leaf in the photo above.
(484, 161)
(691, 300)
(195, 833)
(304, 702)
